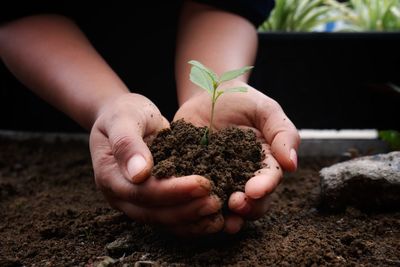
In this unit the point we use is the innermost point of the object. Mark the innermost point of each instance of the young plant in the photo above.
(208, 80)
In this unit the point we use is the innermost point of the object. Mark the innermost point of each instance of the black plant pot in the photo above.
(332, 80)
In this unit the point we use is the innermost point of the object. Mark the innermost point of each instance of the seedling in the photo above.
(208, 80)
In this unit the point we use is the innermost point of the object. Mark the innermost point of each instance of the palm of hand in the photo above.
(230, 110)
(256, 111)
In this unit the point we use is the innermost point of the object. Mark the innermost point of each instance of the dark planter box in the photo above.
(322, 80)
(332, 80)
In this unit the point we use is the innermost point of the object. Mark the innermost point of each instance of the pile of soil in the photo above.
(52, 215)
(229, 159)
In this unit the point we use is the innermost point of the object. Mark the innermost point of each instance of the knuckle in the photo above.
(120, 145)
(136, 195)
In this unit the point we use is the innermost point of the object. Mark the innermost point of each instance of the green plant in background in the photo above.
(391, 137)
(369, 15)
(357, 15)
(298, 16)
(208, 80)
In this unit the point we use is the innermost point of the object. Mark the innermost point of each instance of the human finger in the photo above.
(125, 128)
(248, 208)
(156, 192)
(279, 132)
(171, 215)
(233, 223)
(266, 179)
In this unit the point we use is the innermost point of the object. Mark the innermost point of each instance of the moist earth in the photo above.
(230, 158)
(52, 215)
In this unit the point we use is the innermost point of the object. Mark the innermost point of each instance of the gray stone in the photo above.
(104, 261)
(120, 246)
(146, 264)
(368, 183)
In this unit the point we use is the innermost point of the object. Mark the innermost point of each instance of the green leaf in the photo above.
(231, 90)
(212, 74)
(217, 95)
(391, 137)
(202, 79)
(230, 75)
(236, 89)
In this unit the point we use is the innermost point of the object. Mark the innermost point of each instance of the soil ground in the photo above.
(52, 215)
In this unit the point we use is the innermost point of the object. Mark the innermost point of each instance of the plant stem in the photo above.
(212, 117)
(212, 109)
(206, 136)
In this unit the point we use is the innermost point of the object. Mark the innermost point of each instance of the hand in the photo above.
(278, 136)
(122, 163)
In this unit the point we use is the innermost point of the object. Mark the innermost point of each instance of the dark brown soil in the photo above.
(52, 215)
(229, 160)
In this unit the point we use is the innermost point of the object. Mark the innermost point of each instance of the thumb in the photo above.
(130, 150)
(132, 155)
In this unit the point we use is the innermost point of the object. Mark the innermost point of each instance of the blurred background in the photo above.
(328, 66)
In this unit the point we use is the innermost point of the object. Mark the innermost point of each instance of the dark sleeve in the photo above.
(20, 9)
(256, 11)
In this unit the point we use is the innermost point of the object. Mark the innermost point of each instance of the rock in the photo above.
(368, 183)
(104, 261)
(146, 264)
(120, 246)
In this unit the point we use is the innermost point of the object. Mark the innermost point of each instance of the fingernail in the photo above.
(136, 164)
(293, 157)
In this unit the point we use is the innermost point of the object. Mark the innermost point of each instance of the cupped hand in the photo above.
(122, 164)
(279, 138)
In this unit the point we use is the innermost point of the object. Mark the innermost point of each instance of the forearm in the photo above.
(51, 56)
(220, 40)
